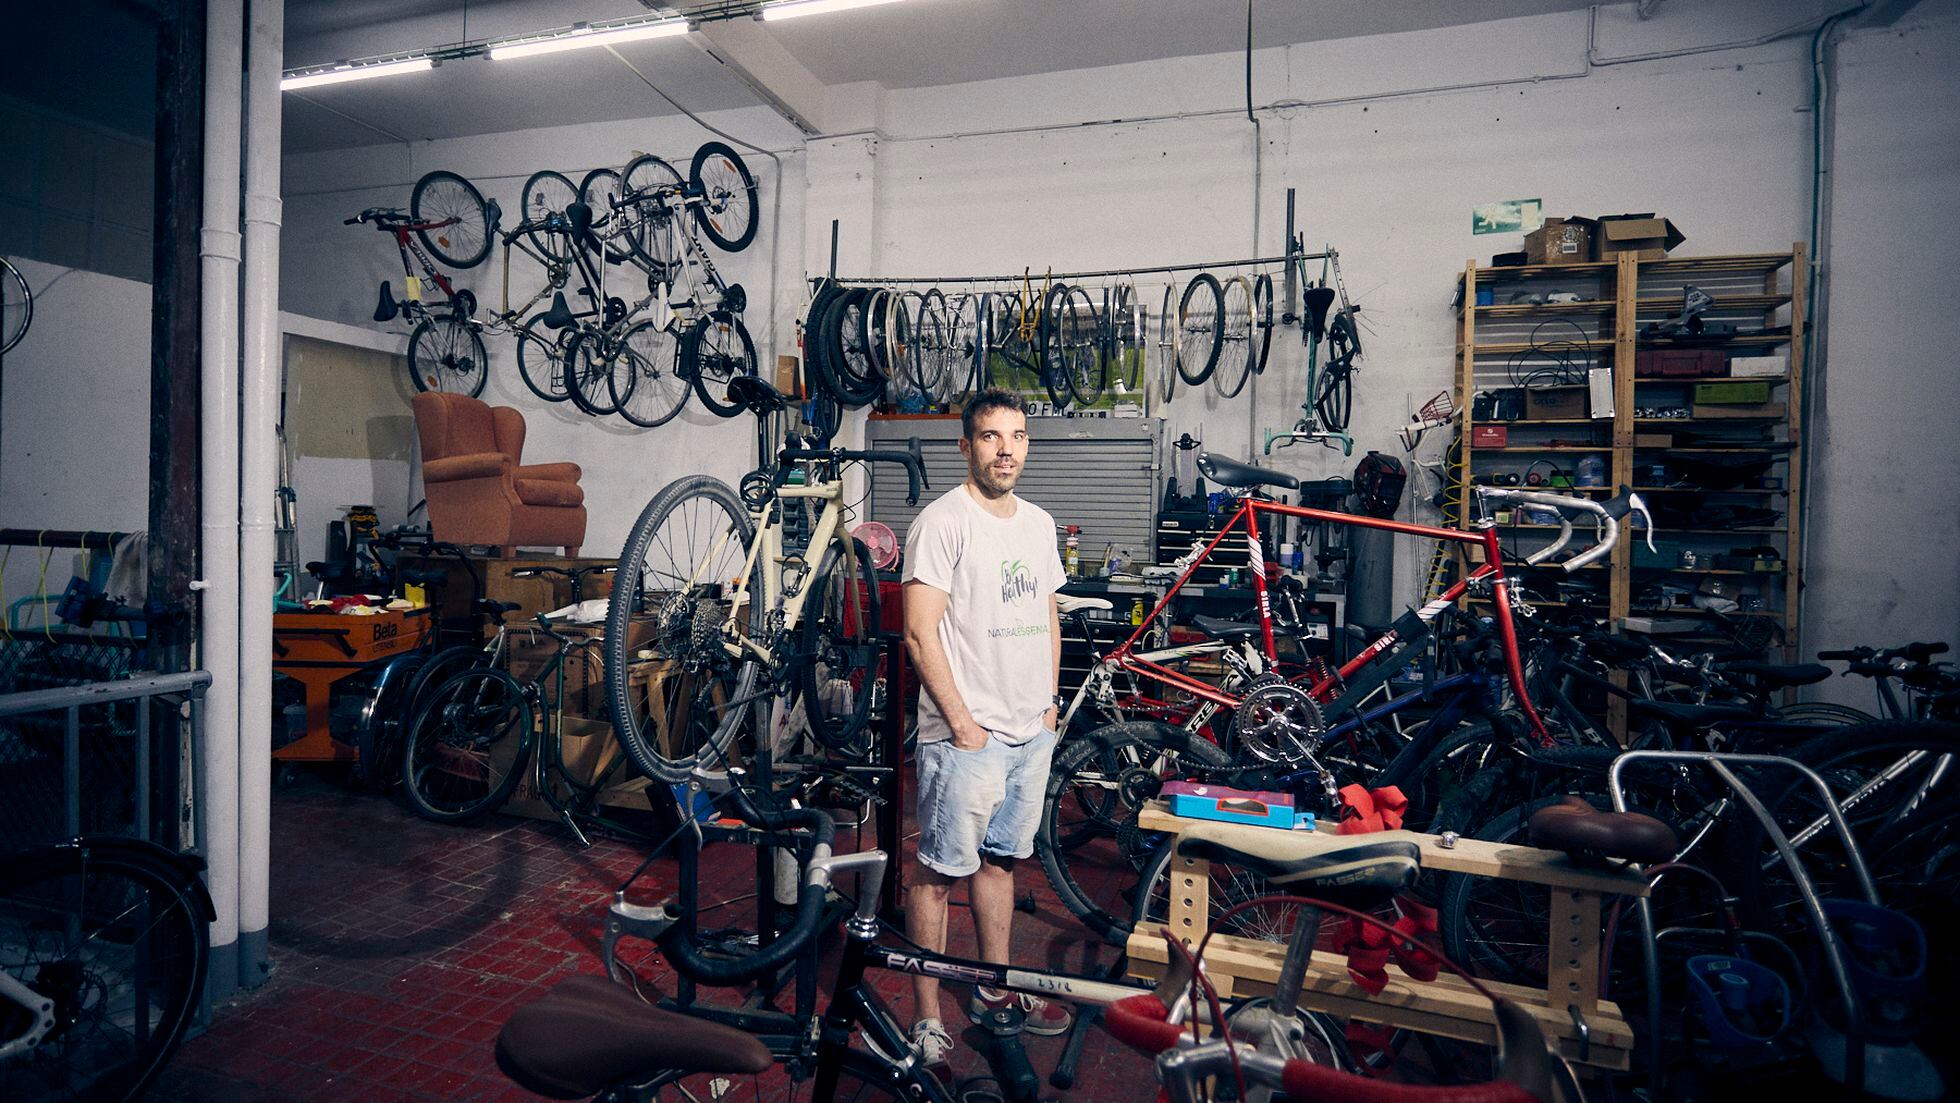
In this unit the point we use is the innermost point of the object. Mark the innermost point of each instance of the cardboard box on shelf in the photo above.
(1759, 367)
(1489, 436)
(1567, 240)
(1541, 403)
(1648, 236)
(1732, 393)
(1653, 440)
(1665, 363)
(1705, 411)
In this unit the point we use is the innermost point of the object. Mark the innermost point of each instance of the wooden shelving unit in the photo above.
(1502, 342)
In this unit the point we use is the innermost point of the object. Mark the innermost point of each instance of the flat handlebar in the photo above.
(1606, 520)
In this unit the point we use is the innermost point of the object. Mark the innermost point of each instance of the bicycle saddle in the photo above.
(1319, 300)
(1779, 675)
(1682, 714)
(757, 395)
(588, 1034)
(490, 608)
(1349, 870)
(1218, 628)
(385, 308)
(1232, 473)
(1069, 603)
(1592, 837)
(560, 315)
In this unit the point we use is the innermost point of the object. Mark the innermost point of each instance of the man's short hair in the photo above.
(987, 401)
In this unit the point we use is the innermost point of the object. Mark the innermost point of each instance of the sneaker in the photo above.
(931, 1042)
(1044, 1017)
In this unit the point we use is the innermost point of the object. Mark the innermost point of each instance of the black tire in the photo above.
(845, 333)
(1236, 341)
(586, 370)
(1264, 321)
(467, 747)
(1085, 369)
(1454, 786)
(1335, 402)
(16, 306)
(1164, 353)
(840, 647)
(647, 386)
(728, 212)
(541, 359)
(445, 353)
(442, 196)
(651, 240)
(716, 350)
(662, 591)
(112, 933)
(1200, 327)
(598, 191)
(546, 195)
(816, 366)
(1088, 840)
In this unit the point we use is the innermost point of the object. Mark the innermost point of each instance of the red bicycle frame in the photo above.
(1248, 511)
(406, 245)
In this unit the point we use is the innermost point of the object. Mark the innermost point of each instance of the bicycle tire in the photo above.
(1086, 371)
(1335, 403)
(541, 356)
(1823, 713)
(1049, 357)
(1088, 840)
(816, 366)
(716, 349)
(97, 963)
(839, 657)
(440, 196)
(599, 190)
(655, 389)
(924, 368)
(1200, 324)
(586, 372)
(862, 1078)
(468, 746)
(846, 335)
(445, 354)
(652, 241)
(1129, 340)
(1166, 358)
(1234, 367)
(966, 344)
(1263, 321)
(547, 194)
(16, 306)
(664, 587)
(727, 212)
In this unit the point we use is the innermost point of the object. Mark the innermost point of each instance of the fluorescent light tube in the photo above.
(354, 72)
(584, 37)
(796, 9)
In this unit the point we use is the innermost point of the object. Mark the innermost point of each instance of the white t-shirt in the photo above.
(998, 574)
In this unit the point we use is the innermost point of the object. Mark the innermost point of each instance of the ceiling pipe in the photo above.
(217, 781)
(259, 414)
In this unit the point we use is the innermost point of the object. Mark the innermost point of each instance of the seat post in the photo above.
(1299, 954)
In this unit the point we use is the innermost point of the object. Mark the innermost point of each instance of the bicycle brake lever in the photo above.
(1638, 506)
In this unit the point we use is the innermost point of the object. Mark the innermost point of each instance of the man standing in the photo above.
(981, 626)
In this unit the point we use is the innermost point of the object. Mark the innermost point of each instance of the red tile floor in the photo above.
(400, 946)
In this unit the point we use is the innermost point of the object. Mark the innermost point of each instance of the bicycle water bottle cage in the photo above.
(558, 317)
(386, 308)
(1743, 1005)
(1319, 301)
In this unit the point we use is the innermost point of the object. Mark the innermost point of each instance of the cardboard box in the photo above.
(1541, 403)
(1647, 236)
(1567, 240)
(788, 373)
(1732, 393)
(1490, 436)
(1759, 367)
(1704, 411)
(589, 750)
(585, 671)
(1666, 363)
(1653, 440)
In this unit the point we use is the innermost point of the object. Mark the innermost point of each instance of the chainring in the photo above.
(1277, 721)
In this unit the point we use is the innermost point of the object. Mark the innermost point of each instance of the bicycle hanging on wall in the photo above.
(447, 218)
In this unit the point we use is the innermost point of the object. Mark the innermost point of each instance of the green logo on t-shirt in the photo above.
(1016, 582)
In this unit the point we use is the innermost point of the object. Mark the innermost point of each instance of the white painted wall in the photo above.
(331, 271)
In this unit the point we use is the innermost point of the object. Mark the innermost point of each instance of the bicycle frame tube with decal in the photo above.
(406, 245)
(766, 554)
(1245, 522)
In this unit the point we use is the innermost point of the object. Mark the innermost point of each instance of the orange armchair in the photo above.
(478, 489)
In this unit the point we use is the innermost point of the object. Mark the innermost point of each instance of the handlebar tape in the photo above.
(682, 950)
(913, 460)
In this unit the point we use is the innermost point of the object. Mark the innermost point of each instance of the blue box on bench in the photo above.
(1218, 802)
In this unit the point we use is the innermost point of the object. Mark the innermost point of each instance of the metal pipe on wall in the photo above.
(217, 782)
(259, 413)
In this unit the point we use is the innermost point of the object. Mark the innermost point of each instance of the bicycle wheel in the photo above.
(1235, 354)
(589, 361)
(713, 353)
(1088, 840)
(1164, 357)
(1200, 325)
(654, 390)
(657, 241)
(1335, 402)
(966, 352)
(845, 335)
(1085, 367)
(678, 698)
(1129, 340)
(727, 211)
(115, 935)
(862, 1079)
(468, 746)
(541, 359)
(925, 363)
(1263, 321)
(546, 195)
(461, 234)
(599, 190)
(445, 353)
(839, 653)
(16, 305)
(1052, 354)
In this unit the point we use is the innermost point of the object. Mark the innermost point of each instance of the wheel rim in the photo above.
(654, 391)
(467, 742)
(546, 195)
(448, 198)
(452, 357)
(726, 205)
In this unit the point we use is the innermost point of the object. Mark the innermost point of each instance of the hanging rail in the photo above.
(61, 538)
(1064, 277)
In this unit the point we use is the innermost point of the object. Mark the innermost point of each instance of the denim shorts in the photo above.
(980, 802)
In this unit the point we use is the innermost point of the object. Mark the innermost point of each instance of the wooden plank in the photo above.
(1473, 856)
(1572, 967)
(1190, 909)
(1446, 1006)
